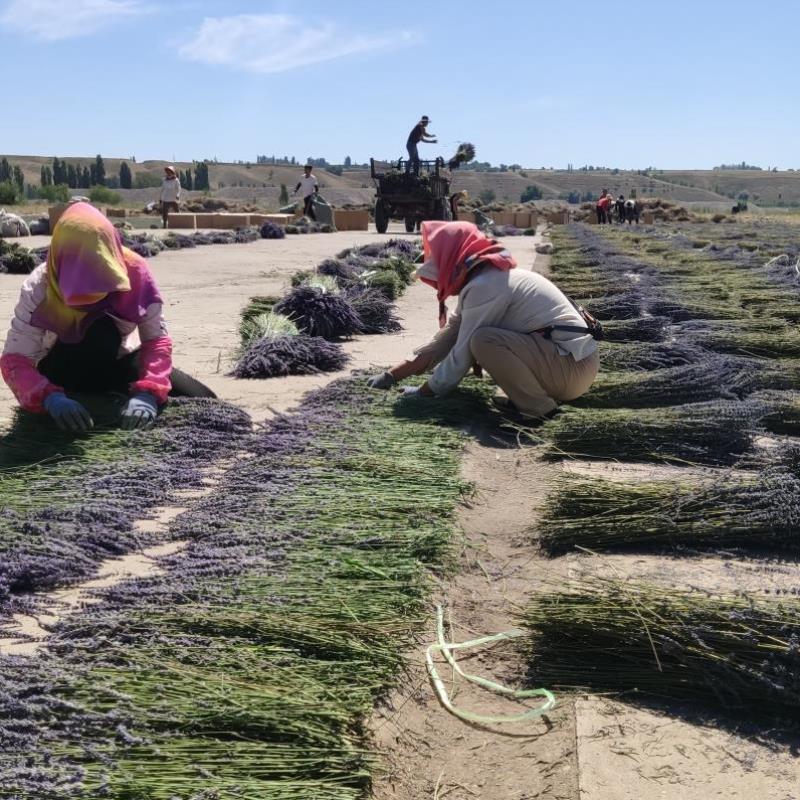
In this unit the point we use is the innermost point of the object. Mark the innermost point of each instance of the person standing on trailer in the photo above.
(170, 194)
(419, 133)
(309, 188)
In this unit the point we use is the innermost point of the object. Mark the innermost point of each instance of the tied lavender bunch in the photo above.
(271, 357)
(317, 312)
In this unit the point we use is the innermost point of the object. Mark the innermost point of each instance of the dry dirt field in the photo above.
(587, 749)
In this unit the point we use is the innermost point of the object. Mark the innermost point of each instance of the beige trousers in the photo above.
(530, 370)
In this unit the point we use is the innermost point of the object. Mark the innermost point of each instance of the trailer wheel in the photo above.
(381, 217)
(442, 211)
(411, 224)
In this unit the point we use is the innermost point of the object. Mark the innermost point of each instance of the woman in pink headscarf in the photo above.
(515, 324)
(90, 320)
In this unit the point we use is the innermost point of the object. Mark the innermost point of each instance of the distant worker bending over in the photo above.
(515, 324)
(308, 188)
(419, 133)
(90, 320)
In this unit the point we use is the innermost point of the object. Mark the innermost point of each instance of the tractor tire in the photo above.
(411, 224)
(381, 217)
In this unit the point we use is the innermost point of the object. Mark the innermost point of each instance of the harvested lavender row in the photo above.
(738, 655)
(68, 504)
(709, 379)
(638, 356)
(755, 512)
(714, 433)
(247, 669)
(149, 246)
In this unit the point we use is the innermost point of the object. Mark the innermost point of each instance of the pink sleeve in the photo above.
(30, 387)
(155, 367)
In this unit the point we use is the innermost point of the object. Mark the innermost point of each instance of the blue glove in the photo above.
(411, 393)
(382, 381)
(68, 414)
(140, 412)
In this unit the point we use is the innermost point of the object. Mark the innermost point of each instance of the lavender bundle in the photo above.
(269, 230)
(16, 260)
(376, 312)
(281, 355)
(317, 312)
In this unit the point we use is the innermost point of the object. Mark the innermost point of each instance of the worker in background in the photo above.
(90, 320)
(619, 208)
(170, 194)
(308, 188)
(419, 133)
(514, 324)
(603, 207)
(632, 211)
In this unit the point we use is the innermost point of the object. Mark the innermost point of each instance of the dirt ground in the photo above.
(592, 749)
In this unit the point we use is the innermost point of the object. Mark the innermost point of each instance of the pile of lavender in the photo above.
(17, 260)
(249, 667)
(349, 295)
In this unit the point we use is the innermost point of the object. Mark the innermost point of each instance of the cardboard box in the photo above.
(117, 213)
(503, 217)
(648, 218)
(181, 221)
(526, 219)
(351, 220)
(466, 216)
(54, 213)
(278, 219)
(204, 220)
(229, 222)
(558, 217)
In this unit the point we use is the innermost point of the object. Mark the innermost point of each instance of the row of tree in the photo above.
(74, 176)
(12, 175)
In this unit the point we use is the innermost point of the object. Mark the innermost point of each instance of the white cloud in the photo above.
(53, 20)
(267, 43)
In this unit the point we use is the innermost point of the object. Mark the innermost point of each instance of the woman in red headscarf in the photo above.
(90, 320)
(515, 324)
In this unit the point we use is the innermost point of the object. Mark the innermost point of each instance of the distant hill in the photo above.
(261, 183)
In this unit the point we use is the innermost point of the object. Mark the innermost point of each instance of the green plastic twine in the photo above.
(446, 649)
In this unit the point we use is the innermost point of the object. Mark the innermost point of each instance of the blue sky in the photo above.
(670, 84)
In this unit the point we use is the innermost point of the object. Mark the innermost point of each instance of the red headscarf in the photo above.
(456, 248)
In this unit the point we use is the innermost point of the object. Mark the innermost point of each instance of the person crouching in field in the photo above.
(170, 194)
(515, 324)
(89, 320)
